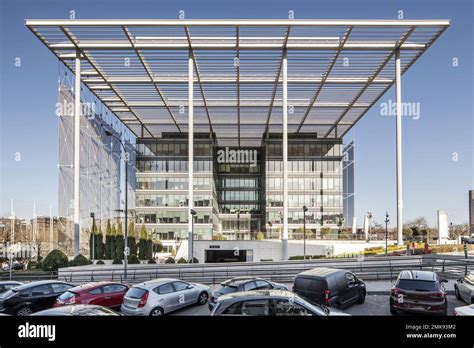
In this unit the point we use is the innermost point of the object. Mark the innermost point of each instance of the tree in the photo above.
(108, 242)
(113, 243)
(100, 249)
(142, 243)
(80, 260)
(119, 243)
(149, 247)
(259, 236)
(407, 233)
(54, 260)
(157, 246)
(131, 240)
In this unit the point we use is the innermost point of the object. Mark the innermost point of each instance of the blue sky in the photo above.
(432, 179)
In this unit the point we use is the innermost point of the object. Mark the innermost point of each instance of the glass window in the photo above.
(40, 290)
(180, 286)
(58, 287)
(290, 308)
(256, 307)
(114, 288)
(250, 286)
(165, 289)
(96, 291)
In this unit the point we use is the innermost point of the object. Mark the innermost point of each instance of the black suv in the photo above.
(32, 297)
(330, 286)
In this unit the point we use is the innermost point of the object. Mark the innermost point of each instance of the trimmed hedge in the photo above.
(170, 260)
(181, 260)
(100, 262)
(80, 260)
(195, 260)
(133, 260)
(54, 260)
(151, 261)
(117, 262)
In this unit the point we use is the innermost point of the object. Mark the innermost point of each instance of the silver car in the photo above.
(464, 288)
(162, 296)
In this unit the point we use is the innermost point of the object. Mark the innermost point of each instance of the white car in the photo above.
(162, 296)
(464, 310)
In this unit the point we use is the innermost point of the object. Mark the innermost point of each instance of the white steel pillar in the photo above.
(284, 241)
(77, 153)
(190, 154)
(398, 97)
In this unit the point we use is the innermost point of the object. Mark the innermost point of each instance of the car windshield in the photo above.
(9, 293)
(417, 285)
(226, 289)
(135, 293)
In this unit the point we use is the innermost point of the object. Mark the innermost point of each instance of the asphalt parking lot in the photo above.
(374, 305)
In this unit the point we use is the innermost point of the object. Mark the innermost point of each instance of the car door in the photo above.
(352, 292)
(185, 292)
(113, 294)
(169, 298)
(466, 288)
(285, 307)
(96, 297)
(40, 297)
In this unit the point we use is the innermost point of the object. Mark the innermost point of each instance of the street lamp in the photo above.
(125, 251)
(193, 214)
(270, 224)
(93, 237)
(305, 209)
(387, 220)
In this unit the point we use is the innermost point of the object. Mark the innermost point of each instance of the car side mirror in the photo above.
(190, 286)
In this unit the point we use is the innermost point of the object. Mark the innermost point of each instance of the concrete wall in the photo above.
(271, 249)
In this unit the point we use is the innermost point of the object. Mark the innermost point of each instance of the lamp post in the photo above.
(305, 209)
(270, 224)
(387, 220)
(125, 251)
(193, 214)
(93, 237)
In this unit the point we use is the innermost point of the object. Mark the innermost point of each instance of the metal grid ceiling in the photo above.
(337, 69)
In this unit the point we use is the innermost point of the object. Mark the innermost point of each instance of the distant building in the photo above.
(471, 211)
(348, 183)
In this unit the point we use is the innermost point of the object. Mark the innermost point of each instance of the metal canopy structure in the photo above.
(252, 77)
(337, 69)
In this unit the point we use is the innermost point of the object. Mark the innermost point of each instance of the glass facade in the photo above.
(238, 192)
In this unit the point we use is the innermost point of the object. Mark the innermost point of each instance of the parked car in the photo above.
(269, 303)
(107, 294)
(464, 288)
(7, 285)
(239, 284)
(464, 310)
(32, 297)
(419, 292)
(162, 296)
(467, 240)
(78, 310)
(330, 286)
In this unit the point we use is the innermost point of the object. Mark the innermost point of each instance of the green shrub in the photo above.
(170, 260)
(181, 260)
(54, 260)
(80, 260)
(157, 246)
(31, 265)
(133, 260)
(100, 262)
(195, 260)
(151, 261)
(117, 262)
(263, 260)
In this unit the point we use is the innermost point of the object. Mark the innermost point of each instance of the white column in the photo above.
(190, 152)
(398, 96)
(284, 241)
(77, 153)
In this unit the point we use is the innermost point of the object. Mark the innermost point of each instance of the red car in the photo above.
(107, 294)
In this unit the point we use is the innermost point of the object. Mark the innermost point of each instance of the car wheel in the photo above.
(203, 297)
(361, 298)
(157, 312)
(24, 311)
(456, 293)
